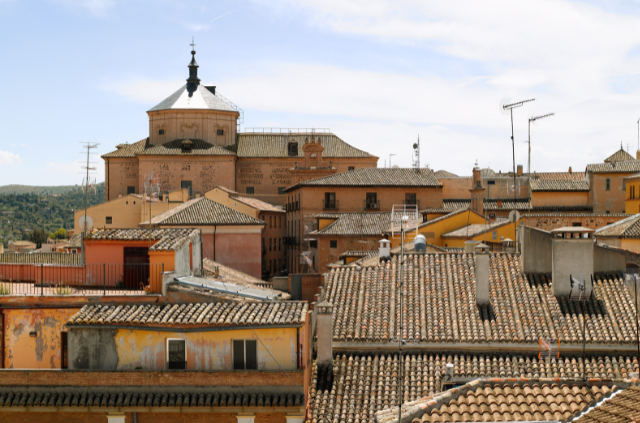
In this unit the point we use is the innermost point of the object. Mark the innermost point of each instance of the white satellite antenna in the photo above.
(514, 216)
(89, 185)
(416, 154)
(404, 217)
(580, 291)
(85, 223)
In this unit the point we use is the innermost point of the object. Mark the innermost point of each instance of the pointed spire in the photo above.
(193, 79)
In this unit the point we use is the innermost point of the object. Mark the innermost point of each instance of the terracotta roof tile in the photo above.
(174, 148)
(359, 385)
(444, 174)
(64, 396)
(619, 156)
(258, 204)
(472, 230)
(201, 314)
(631, 166)
(623, 407)
(166, 239)
(276, 145)
(358, 224)
(626, 228)
(373, 176)
(560, 176)
(128, 150)
(203, 211)
(559, 185)
(440, 304)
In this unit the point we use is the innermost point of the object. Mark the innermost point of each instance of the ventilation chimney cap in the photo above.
(482, 248)
(325, 307)
(187, 145)
(385, 249)
(420, 244)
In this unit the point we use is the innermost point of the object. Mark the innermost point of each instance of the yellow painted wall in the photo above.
(223, 197)
(323, 223)
(43, 351)
(125, 212)
(205, 350)
(631, 244)
(506, 231)
(632, 205)
(433, 231)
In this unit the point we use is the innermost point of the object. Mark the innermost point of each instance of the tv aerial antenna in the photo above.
(533, 119)
(88, 181)
(506, 107)
(151, 193)
(416, 154)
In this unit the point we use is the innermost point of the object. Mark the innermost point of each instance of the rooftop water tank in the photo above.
(420, 244)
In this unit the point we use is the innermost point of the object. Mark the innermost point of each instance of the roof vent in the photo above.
(482, 259)
(187, 145)
(385, 249)
(420, 244)
(211, 88)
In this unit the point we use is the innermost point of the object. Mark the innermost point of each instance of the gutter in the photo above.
(183, 330)
(483, 347)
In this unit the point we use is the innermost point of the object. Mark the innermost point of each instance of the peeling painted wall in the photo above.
(205, 350)
(92, 349)
(43, 351)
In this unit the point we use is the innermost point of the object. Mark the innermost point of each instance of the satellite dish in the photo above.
(89, 223)
(395, 167)
(502, 103)
(514, 216)
(415, 145)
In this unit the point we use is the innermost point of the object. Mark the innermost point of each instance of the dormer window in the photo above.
(187, 145)
(292, 149)
(220, 132)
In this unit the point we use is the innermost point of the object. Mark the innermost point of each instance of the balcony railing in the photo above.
(372, 205)
(330, 205)
(84, 279)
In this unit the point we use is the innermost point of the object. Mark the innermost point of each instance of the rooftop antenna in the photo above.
(88, 181)
(506, 106)
(533, 119)
(151, 194)
(403, 217)
(390, 159)
(416, 154)
(639, 134)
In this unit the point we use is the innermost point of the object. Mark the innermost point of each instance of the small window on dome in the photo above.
(161, 132)
(220, 131)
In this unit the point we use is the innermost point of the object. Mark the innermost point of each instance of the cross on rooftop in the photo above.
(193, 44)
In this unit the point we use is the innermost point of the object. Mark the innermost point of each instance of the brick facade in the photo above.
(548, 222)
(142, 417)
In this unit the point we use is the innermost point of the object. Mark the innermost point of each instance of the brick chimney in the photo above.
(477, 191)
(324, 333)
(570, 170)
(482, 258)
(637, 154)
(519, 170)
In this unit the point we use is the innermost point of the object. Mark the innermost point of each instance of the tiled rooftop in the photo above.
(490, 204)
(358, 224)
(198, 314)
(626, 228)
(203, 211)
(440, 304)
(631, 166)
(475, 229)
(94, 398)
(444, 174)
(560, 176)
(258, 204)
(621, 408)
(276, 145)
(362, 384)
(373, 176)
(500, 400)
(128, 150)
(619, 156)
(559, 185)
(166, 239)
(174, 148)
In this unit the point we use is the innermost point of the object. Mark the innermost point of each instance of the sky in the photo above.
(377, 73)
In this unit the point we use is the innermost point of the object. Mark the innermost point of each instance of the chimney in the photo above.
(324, 333)
(499, 204)
(637, 154)
(519, 171)
(482, 257)
(477, 192)
(385, 250)
(420, 244)
(470, 245)
(570, 170)
(571, 254)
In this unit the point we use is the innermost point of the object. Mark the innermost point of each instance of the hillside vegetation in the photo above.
(44, 190)
(22, 213)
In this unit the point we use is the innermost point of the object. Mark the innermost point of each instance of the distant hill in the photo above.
(29, 189)
(48, 208)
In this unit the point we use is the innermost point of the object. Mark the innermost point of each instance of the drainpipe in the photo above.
(2, 317)
(215, 227)
(108, 179)
(201, 256)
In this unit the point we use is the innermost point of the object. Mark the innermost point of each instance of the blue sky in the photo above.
(376, 72)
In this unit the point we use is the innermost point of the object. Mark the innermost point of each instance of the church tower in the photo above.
(194, 112)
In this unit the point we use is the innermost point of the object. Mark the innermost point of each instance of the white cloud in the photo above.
(144, 90)
(8, 158)
(95, 7)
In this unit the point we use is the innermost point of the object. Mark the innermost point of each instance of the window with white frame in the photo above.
(176, 355)
(245, 354)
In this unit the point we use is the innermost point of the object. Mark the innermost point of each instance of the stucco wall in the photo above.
(92, 349)
(200, 124)
(535, 245)
(603, 200)
(43, 351)
(570, 257)
(233, 248)
(554, 199)
(608, 260)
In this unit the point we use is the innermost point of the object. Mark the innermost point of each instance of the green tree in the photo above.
(38, 237)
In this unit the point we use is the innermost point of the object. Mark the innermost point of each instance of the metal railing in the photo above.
(288, 130)
(84, 279)
(372, 205)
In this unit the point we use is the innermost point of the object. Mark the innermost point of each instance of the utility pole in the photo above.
(88, 147)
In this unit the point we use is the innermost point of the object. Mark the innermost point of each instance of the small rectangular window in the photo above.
(131, 190)
(607, 184)
(576, 224)
(281, 190)
(176, 354)
(494, 235)
(249, 190)
(372, 200)
(186, 184)
(410, 198)
(292, 149)
(491, 182)
(245, 354)
(333, 243)
(351, 168)
(64, 350)
(108, 220)
(161, 132)
(220, 132)
(313, 243)
(624, 185)
(330, 200)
